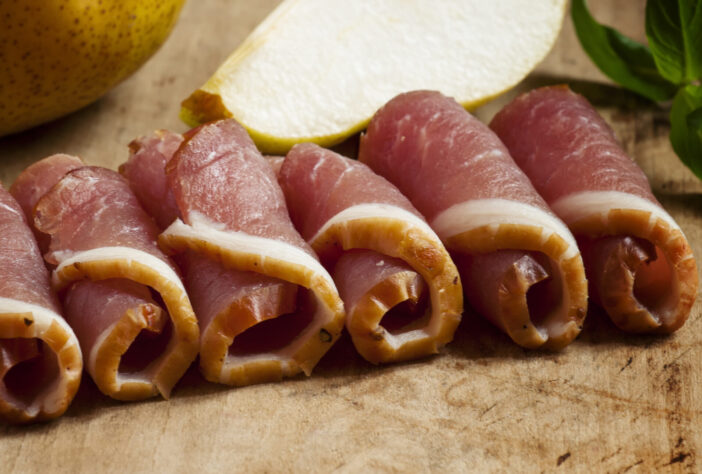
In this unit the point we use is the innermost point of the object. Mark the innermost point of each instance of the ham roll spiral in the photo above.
(401, 289)
(640, 266)
(267, 307)
(122, 296)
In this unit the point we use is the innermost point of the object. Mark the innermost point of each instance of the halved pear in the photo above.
(317, 70)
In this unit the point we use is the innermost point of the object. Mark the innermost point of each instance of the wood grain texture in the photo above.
(610, 402)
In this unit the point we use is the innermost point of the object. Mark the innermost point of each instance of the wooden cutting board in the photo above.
(610, 402)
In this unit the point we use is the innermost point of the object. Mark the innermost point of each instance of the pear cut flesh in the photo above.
(317, 70)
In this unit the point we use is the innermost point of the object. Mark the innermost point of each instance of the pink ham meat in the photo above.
(462, 179)
(109, 269)
(373, 284)
(509, 280)
(639, 264)
(338, 205)
(40, 359)
(145, 171)
(268, 307)
(35, 181)
(128, 307)
(233, 308)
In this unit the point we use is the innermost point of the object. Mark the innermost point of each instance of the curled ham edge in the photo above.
(19, 319)
(367, 226)
(244, 252)
(103, 361)
(488, 225)
(612, 213)
(374, 286)
(417, 245)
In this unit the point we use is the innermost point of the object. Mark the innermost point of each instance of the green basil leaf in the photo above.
(694, 119)
(639, 60)
(624, 60)
(674, 31)
(686, 127)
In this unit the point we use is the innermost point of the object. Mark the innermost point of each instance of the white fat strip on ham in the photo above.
(376, 210)
(203, 229)
(578, 206)
(127, 254)
(389, 212)
(473, 214)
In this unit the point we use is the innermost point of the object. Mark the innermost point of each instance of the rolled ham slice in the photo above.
(269, 309)
(458, 174)
(639, 264)
(122, 295)
(227, 302)
(338, 205)
(40, 359)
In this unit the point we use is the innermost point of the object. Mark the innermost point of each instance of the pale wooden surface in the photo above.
(608, 403)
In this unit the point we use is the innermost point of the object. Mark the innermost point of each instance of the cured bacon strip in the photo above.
(462, 179)
(339, 204)
(107, 265)
(40, 359)
(233, 211)
(639, 264)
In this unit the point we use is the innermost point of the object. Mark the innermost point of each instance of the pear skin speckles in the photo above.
(57, 56)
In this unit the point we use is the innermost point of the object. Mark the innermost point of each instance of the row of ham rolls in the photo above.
(399, 261)
(491, 197)
(121, 294)
(200, 245)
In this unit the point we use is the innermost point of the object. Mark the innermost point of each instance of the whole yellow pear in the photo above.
(57, 56)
